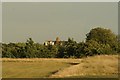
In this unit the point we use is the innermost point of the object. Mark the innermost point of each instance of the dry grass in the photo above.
(52, 67)
(33, 68)
(41, 59)
(104, 65)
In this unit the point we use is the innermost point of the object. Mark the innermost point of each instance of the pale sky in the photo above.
(46, 21)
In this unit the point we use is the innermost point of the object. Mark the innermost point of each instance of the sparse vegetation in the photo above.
(33, 68)
(103, 65)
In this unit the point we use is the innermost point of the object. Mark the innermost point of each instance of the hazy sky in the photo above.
(46, 21)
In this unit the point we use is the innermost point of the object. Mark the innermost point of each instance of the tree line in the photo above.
(98, 41)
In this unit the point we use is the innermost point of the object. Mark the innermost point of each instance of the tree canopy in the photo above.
(98, 41)
(103, 36)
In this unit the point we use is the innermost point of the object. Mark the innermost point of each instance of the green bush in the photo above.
(99, 41)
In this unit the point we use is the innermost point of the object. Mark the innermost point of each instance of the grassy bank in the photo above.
(104, 65)
(95, 66)
(30, 68)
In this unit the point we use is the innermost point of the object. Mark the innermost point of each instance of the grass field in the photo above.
(96, 66)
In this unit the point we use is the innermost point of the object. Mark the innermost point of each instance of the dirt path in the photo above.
(93, 66)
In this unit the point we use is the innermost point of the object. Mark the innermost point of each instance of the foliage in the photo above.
(94, 48)
(103, 36)
(98, 41)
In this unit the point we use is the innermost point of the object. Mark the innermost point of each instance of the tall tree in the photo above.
(71, 47)
(103, 36)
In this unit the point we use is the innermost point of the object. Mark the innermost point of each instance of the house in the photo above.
(48, 43)
(56, 42)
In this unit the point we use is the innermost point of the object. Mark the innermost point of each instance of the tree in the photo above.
(71, 47)
(118, 49)
(92, 47)
(7, 50)
(103, 36)
(0, 49)
(61, 51)
(80, 52)
(30, 49)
